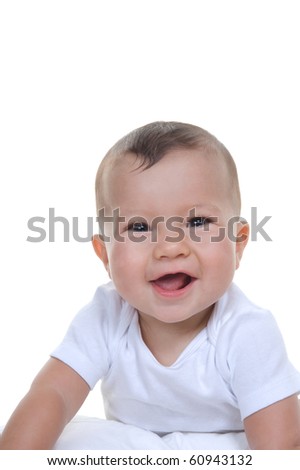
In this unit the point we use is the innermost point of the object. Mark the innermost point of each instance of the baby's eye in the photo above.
(138, 227)
(198, 221)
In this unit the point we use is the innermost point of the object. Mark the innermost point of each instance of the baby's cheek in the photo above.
(222, 254)
(120, 263)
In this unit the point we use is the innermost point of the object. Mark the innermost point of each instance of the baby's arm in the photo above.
(276, 426)
(54, 398)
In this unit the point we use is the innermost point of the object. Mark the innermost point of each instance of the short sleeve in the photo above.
(254, 361)
(88, 343)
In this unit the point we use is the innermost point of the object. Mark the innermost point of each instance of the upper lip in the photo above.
(169, 273)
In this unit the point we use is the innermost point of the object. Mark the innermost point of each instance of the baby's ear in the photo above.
(242, 237)
(100, 250)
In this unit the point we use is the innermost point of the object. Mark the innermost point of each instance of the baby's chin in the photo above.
(171, 317)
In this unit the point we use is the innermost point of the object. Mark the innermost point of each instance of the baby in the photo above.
(179, 349)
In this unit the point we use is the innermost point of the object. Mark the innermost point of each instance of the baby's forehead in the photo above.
(131, 165)
(178, 165)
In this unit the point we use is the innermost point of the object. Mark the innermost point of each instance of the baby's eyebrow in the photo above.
(144, 212)
(207, 207)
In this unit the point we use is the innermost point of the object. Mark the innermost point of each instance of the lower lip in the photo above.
(172, 293)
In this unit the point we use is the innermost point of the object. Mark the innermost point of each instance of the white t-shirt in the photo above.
(234, 367)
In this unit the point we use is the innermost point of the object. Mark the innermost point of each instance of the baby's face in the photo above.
(172, 254)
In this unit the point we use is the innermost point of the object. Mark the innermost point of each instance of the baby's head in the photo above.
(152, 142)
(168, 202)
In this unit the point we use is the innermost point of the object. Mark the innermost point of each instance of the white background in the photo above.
(75, 77)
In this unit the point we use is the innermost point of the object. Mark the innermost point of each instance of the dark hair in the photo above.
(151, 142)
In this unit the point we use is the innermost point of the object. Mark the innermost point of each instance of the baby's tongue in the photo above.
(172, 281)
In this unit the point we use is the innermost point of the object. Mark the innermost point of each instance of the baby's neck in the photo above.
(167, 341)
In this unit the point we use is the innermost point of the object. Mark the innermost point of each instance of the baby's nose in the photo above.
(170, 244)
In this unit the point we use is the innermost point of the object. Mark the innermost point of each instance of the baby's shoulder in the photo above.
(235, 316)
(107, 310)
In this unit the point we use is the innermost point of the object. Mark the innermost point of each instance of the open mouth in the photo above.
(173, 282)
